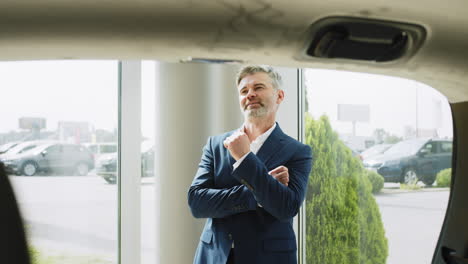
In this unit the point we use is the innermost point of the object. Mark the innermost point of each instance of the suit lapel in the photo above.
(228, 155)
(230, 158)
(272, 145)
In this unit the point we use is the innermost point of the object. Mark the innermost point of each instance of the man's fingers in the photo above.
(230, 139)
(283, 177)
(280, 174)
(277, 170)
(234, 137)
(226, 142)
(238, 144)
(284, 180)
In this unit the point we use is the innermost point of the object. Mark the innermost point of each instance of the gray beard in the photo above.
(254, 113)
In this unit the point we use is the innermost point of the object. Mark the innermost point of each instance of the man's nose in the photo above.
(251, 93)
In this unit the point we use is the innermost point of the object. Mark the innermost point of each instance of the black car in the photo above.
(413, 160)
(51, 158)
(107, 166)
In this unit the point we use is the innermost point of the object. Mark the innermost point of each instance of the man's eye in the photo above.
(243, 92)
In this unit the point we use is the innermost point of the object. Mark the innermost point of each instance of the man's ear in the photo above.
(280, 96)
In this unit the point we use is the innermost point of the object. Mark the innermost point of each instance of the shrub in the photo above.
(411, 186)
(444, 177)
(33, 255)
(376, 180)
(37, 258)
(343, 219)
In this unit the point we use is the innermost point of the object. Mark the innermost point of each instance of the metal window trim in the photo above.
(301, 137)
(129, 150)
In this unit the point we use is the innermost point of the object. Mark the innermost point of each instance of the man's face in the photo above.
(257, 97)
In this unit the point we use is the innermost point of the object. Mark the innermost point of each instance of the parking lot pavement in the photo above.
(412, 221)
(77, 215)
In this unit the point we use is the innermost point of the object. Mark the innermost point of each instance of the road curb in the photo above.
(398, 190)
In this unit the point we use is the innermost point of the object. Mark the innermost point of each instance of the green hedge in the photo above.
(37, 258)
(343, 220)
(376, 180)
(444, 177)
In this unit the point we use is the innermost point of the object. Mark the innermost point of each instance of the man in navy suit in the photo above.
(251, 182)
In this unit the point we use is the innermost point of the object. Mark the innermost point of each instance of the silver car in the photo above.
(51, 157)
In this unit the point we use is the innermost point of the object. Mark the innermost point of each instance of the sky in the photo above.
(391, 100)
(86, 91)
(82, 91)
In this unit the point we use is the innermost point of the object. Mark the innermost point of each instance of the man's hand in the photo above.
(281, 174)
(238, 144)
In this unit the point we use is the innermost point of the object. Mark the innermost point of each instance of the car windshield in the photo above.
(40, 148)
(374, 150)
(407, 147)
(7, 146)
(22, 147)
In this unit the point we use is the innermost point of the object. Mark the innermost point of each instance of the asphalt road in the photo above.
(76, 216)
(412, 221)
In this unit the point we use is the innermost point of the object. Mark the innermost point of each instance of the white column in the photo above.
(129, 161)
(225, 114)
(192, 103)
(288, 113)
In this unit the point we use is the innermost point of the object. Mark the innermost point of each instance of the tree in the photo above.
(392, 139)
(343, 221)
(382, 136)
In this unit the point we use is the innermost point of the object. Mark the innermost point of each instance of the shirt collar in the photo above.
(263, 137)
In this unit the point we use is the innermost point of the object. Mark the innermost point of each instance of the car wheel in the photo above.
(29, 168)
(82, 169)
(410, 176)
(428, 182)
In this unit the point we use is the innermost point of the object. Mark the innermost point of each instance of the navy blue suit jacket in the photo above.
(229, 199)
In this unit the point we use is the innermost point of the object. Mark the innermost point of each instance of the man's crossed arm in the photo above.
(207, 201)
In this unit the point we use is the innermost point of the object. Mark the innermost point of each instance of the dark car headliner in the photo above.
(271, 32)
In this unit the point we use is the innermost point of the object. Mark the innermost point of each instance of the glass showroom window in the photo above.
(59, 114)
(382, 151)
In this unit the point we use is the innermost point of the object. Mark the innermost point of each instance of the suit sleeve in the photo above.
(283, 202)
(207, 201)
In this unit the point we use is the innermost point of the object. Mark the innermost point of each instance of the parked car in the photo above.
(374, 151)
(107, 166)
(413, 160)
(51, 157)
(7, 146)
(22, 147)
(102, 150)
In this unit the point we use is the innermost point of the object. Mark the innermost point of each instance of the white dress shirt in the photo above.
(255, 145)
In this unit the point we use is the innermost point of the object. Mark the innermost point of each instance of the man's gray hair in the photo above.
(276, 80)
